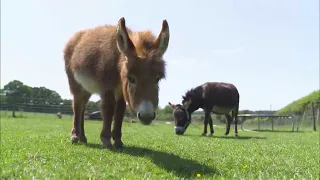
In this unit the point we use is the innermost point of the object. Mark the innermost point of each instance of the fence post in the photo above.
(318, 114)
(259, 123)
(314, 117)
(298, 120)
(292, 124)
(242, 123)
(272, 123)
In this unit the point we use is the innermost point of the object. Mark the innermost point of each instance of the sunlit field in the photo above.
(40, 148)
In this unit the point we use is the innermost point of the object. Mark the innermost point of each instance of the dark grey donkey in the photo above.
(217, 97)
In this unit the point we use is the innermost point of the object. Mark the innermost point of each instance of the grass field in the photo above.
(40, 148)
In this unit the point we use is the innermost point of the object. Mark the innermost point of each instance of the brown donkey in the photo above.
(217, 97)
(120, 66)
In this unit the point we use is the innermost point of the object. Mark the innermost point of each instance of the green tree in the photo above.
(67, 102)
(54, 98)
(16, 92)
(167, 110)
(44, 96)
(3, 98)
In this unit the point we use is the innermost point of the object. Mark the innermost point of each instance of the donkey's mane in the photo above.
(192, 93)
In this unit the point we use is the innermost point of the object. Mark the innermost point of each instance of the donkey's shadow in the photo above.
(181, 167)
(228, 137)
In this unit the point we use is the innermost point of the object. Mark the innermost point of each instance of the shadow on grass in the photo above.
(277, 131)
(229, 137)
(266, 130)
(240, 137)
(181, 167)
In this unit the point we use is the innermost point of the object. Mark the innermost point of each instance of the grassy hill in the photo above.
(302, 104)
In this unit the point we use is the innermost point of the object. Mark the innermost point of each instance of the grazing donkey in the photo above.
(217, 97)
(120, 66)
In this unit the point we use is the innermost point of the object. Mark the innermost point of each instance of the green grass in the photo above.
(41, 149)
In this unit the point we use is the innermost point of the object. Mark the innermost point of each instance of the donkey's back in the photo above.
(92, 57)
(221, 94)
(92, 49)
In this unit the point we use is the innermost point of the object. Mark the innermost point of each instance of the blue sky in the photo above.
(268, 49)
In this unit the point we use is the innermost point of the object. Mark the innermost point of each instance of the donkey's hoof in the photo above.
(236, 135)
(118, 144)
(74, 139)
(203, 134)
(106, 143)
(211, 135)
(83, 140)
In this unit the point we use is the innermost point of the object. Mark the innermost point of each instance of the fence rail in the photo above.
(309, 120)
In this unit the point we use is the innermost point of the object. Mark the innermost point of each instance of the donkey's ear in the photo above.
(172, 105)
(187, 104)
(124, 42)
(162, 42)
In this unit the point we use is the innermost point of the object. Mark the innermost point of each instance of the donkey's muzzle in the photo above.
(146, 118)
(179, 130)
(146, 113)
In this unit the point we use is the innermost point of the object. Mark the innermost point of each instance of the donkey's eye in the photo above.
(158, 79)
(131, 79)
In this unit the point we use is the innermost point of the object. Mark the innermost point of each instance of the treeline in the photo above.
(17, 96)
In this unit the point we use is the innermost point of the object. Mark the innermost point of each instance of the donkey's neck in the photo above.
(192, 109)
(198, 96)
(197, 99)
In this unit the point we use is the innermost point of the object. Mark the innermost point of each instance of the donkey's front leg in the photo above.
(107, 111)
(117, 125)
